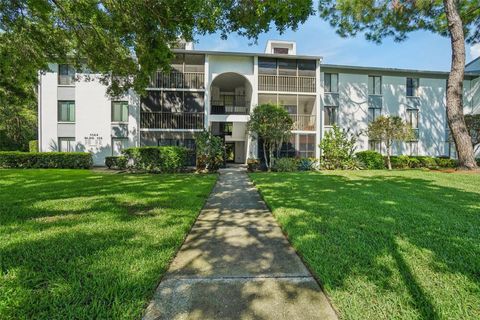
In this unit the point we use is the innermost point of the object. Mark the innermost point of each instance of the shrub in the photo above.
(371, 159)
(209, 151)
(308, 164)
(46, 160)
(424, 162)
(399, 162)
(446, 162)
(253, 164)
(285, 165)
(337, 147)
(156, 159)
(119, 162)
(33, 146)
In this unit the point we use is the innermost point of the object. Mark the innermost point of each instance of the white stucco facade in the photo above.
(225, 89)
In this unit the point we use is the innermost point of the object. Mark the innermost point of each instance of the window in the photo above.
(412, 120)
(66, 144)
(306, 143)
(280, 50)
(66, 74)
(373, 113)
(226, 128)
(194, 63)
(307, 68)
(412, 147)
(118, 144)
(331, 82)
(375, 85)
(287, 67)
(375, 145)
(288, 148)
(330, 115)
(66, 111)
(267, 66)
(412, 87)
(119, 111)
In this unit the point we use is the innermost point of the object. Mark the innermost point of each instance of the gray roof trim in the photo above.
(248, 54)
(394, 70)
(472, 62)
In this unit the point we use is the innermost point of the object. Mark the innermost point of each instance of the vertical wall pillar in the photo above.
(318, 106)
(206, 97)
(252, 140)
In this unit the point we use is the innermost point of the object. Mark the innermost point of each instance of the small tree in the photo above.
(273, 125)
(473, 125)
(389, 129)
(209, 150)
(338, 147)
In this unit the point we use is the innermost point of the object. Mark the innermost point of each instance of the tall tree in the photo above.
(458, 19)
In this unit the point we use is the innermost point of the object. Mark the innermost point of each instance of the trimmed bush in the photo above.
(33, 146)
(46, 160)
(400, 162)
(446, 162)
(371, 159)
(285, 165)
(404, 162)
(156, 159)
(425, 162)
(118, 162)
(308, 164)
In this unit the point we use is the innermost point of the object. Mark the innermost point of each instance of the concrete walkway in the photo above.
(237, 264)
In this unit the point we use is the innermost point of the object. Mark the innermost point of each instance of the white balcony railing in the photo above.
(286, 83)
(303, 122)
(172, 120)
(178, 80)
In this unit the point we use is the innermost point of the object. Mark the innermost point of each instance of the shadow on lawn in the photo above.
(75, 244)
(344, 227)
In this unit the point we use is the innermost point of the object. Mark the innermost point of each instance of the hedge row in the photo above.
(156, 159)
(61, 160)
(374, 160)
(116, 162)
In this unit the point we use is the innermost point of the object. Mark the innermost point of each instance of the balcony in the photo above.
(172, 120)
(178, 80)
(303, 122)
(230, 104)
(286, 83)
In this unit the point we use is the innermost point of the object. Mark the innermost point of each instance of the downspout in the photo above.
(39, 112)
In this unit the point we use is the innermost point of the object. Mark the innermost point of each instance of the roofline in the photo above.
(249, 54)
(473, 61)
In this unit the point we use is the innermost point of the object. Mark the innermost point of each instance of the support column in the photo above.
(206, 96)
(318, 106)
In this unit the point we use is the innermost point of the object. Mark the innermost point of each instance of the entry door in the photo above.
(230, 152)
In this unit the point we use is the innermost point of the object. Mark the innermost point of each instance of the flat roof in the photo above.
(250, 54)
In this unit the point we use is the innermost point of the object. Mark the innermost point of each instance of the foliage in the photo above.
(473, 124)
(405, 162)
(165, 159)
(272, 124)
(116, 162)
(391, 237)
(45, 160)
(446, 162)
(33, 146)
(252, 164)
(338, 147)
(370, 159)
(399, 162)
(210, 151)
(389, 129)
(286, 165)
(80, 244)
(308, 164)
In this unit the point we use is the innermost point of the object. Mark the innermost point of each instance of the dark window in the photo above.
(330, 115)
(375, 85)
(194, 102)
(66, 111)
(331, 82)
(288, 148)
(66, 74)
(307, 68)
(373, 114)
(280, 50)
(287, 67)
(412, 87)
(267, 66)
(194, 62)
(172, 101)
(66, 144)
(306, 144)
(119, 111)
(226, 128)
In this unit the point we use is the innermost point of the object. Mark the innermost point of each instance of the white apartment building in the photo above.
(209, 90)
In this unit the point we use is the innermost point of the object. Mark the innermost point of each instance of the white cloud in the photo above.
(475, 51)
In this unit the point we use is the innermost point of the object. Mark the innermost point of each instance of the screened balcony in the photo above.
(187, 72)
(231, 94)
(286, 75)
(172, 120)
(230, 104)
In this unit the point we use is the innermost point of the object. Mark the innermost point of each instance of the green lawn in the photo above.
(84, 245)
(385, 245)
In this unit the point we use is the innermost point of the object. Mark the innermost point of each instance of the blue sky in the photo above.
(422, 50)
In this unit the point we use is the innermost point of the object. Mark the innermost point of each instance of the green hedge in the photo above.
(62, 160)
(371, 159)
(405, 162)
(119, 162)
(33, 146)
(156, 159)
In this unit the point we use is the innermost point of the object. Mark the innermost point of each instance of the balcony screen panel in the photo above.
(287, 67)
(267, 66)
(172, 101)
(306, 145)
(306, 68)
(177, 62)
(194, 102)
(194, 62)
(152, 102)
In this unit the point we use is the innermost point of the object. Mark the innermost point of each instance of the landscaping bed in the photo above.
(84, 245)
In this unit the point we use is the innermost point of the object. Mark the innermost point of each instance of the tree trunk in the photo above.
(389, 151)
(456, 120)
(265, 156)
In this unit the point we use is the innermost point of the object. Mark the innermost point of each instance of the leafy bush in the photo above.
(400, 162)
(285, 165)
(45, 160)
(156, 159)
(33, 145)
(308, 164)
(338, 147)
(446, 162)
(404, 162)
(209, 151)
(371, 159)
(253, 164)
(119, 162)
(424, 162)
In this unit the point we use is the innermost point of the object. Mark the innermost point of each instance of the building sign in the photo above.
(93, 140)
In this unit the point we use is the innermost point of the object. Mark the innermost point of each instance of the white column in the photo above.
(207, 92)
(318, 105)
(251, 141)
